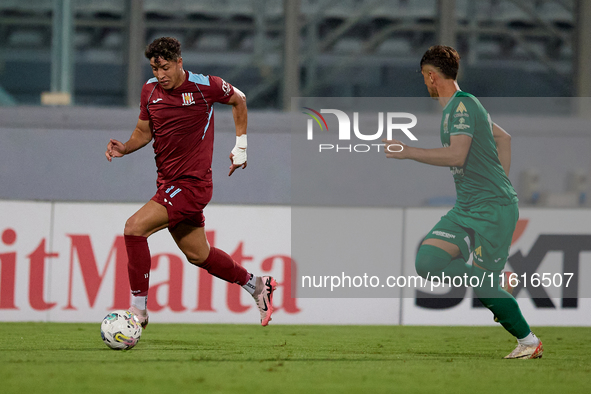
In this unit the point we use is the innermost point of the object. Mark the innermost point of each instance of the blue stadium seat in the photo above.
(554, 12)
(310, 7)
(566, 51)
(510, 13)
(247, 44)
(482, 10)
(489, 49)
(113, 40)
(113, 8)
(154, 34)
(347, 45)
(419, 9)
(389, 9)
(467, 10)
(462, 9)
(398, 46)
(341, 9)
(470, 10)
(537, 47)
(32, 6)
(23, 37)
(274, 9)
(215, 42)
(82, 39)
(166, 8)
(219, 8)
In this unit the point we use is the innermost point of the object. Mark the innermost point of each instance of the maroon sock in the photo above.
(138, 264)
(221, 265)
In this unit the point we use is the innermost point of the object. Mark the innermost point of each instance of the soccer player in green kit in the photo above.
(483, 219)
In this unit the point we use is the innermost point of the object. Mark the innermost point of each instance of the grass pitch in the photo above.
(179, 358)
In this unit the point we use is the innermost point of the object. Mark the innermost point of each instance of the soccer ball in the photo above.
(120, 330)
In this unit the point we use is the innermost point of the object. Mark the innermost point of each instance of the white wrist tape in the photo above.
(239, 150)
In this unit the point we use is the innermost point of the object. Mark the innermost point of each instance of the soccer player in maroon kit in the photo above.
(176, 111)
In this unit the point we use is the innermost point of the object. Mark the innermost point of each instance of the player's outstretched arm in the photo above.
(240, 113)
(503, 141)
(453, 155)
(139, 138)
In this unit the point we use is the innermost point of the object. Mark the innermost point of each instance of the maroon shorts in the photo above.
(184, 200)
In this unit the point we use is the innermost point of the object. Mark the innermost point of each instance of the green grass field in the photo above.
(179, 358)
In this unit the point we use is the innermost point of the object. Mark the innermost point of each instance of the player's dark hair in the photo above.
(445, 58)
(167, 48)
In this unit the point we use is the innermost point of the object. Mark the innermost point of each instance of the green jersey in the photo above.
(481, 178)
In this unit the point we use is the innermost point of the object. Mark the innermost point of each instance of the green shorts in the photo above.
(484, 231)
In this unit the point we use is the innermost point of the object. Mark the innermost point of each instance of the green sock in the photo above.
(501, 303)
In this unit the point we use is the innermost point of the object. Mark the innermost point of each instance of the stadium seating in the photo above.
(219, 8)
(510, 13)
(348, 45)
(212, 42)
(388, 9)
(487, 49)
(419, 9)
(395, 46)
(168, 9)
(98, 9)
(26, 38)
(227, 30)
(559, 13)
(27, 6)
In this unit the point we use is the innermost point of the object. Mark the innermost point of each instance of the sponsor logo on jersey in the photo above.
(478, 254)
(461, 108)
(225, 87)
(443, 234)
(188, 99)
(478, 251)
(462, 125)
(457, 171)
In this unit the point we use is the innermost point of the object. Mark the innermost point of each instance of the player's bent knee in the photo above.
(422, 264)
(136, 226)
(431, 260)
(132, 227)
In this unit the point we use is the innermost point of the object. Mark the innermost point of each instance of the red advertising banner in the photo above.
(67, 262)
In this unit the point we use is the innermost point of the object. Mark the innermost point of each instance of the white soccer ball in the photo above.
(120, 330)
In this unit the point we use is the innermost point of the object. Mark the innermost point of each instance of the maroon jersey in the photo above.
(182, 121)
